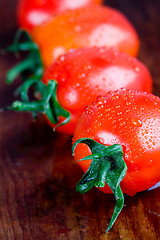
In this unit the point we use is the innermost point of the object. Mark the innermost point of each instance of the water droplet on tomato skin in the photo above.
(136, 122)
(122, 123)
(128, 103)
(82, 75)
(87, 67)
(62, 58)
(77, 28)
(136, 69)
(119, 113)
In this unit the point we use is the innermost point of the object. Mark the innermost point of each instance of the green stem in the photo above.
(32, 63)
(47, 105)
(107, 167)
(27, 45)
(35, 106)
(19, 68)
(31, 71)
(23, 90)
(24, 46)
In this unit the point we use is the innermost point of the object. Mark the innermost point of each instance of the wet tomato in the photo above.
(85, 27)
(116, 143)
(76, 78)
(35, 12)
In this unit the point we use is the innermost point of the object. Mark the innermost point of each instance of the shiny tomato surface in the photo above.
(35, 12)
(85, 27)
(131, 119)
(84, 74)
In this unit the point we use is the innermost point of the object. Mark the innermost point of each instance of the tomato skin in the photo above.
(84, 74)
(85, 27)
(35, 12)
(131, 119)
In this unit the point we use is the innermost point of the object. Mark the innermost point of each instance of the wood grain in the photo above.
(38, 175)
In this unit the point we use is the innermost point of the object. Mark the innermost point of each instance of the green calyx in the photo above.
(47, 104)
(31, 71)
(31, 65)
(107, 166)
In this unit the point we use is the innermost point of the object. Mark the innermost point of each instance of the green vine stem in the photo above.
(107, 166)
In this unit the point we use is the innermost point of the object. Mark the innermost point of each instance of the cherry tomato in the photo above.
(131, 119)
(36, 12)
(85, 27)
(79, 77)
(84, 74)
(116, 143)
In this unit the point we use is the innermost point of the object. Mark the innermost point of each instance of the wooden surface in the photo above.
(38, 175)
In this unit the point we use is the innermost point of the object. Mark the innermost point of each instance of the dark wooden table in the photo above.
(38, 175)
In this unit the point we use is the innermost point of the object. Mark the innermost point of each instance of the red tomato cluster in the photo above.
(87, 51)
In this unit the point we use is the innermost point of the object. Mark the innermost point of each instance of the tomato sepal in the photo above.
(107, 166)
(31, 71)
(47, 104)
(31, 65)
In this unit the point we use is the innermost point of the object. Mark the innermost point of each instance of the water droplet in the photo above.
(63, 79)
(128, 103)
(136, 69)
(62, 58)
(87, 67)
(136, 122)
(77, 28)
(82, 75)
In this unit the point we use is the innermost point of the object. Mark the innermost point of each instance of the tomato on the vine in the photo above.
(117, 140)
(82, 75)
(35, 12)
(85, 27)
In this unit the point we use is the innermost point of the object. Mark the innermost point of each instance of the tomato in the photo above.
(131, 120)
(36, 12)
(82, 75)
(85, 27)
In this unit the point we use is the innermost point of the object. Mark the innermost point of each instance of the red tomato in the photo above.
(116, 143)
(84, 74)
(85, 27)
(131, 119)
(36, 12)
